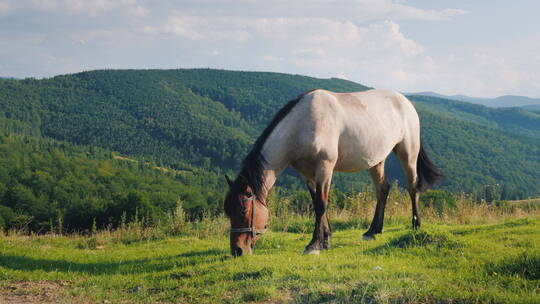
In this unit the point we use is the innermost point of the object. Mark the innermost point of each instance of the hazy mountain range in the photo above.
(498, 102)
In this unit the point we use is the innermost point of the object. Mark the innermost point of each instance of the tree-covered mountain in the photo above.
(203, 117)
(208, 119)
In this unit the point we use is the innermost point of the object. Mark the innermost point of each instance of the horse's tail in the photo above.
(428, 174)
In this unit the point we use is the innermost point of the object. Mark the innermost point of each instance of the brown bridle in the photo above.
(254, 231)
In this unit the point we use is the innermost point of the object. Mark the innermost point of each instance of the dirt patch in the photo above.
(32, 292)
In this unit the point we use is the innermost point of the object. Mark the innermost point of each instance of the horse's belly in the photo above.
(355, 155)
(352, 164)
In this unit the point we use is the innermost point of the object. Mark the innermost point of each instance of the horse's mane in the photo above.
(253, 164)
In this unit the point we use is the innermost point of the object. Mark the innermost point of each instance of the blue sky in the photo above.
(477, 48)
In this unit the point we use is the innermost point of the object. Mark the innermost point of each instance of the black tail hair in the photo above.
(428, 174)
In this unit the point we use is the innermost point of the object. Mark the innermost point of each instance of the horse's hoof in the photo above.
(312, 251)
(368, 237)
(326, 245)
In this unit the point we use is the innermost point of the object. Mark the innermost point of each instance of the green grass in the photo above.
(495, 263)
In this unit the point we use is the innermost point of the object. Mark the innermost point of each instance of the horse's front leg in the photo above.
(321, 233)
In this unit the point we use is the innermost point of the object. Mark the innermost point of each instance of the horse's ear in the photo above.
(228, 180)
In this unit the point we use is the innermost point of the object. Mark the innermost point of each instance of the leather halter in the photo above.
(254, 231)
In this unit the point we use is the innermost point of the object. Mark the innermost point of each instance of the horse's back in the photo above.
(355, 130)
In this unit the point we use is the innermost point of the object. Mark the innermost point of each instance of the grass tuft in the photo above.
(259, 294)
(424, 238)
(253, 275)
(525, 265)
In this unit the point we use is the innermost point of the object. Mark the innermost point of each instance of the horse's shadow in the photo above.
(202, 253)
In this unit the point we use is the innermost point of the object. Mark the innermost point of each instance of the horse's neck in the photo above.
(276, 154)
(273, 167)
(270, 177)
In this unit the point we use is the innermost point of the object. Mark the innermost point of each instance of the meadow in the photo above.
(471, 253)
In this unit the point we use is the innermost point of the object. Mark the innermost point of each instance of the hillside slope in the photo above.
(204, 117)
(45, 183)
(210, 118)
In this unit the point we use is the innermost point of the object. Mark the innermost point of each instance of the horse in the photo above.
(318, 133)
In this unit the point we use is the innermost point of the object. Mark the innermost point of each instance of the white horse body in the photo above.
(350, 131)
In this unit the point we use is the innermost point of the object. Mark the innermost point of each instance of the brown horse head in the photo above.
(248, 216)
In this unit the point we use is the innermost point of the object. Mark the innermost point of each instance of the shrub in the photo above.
(6, 217)
(440, 200)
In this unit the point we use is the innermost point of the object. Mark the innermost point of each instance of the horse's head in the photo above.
(248, 215)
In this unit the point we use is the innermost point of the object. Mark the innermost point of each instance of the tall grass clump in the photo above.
(176, 220)
(424, 238)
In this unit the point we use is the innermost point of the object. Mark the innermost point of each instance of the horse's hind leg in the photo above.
(326, 222)
(408, 156)
(323, 179)
(382, 188)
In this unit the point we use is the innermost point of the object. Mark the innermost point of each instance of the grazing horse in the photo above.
(321, 132)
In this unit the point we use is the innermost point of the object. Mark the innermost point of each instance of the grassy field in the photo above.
(441, 263)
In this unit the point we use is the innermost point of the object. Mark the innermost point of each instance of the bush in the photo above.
(6, 217)
(440, 200)
(505, 206)
(301, 202)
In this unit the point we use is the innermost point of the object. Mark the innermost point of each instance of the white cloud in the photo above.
(360, 40)
(108, 38)
(341, 76)
(354, 10)
(509, 67)
(193, 28)
(271, 58)
(5, 7)
(316, 38)
(85, 7)
(93, 7)
(138, 11)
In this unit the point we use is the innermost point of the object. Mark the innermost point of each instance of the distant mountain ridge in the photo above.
(515, 120)
(498, 102)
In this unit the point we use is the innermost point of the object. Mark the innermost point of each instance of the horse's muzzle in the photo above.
(237, 251)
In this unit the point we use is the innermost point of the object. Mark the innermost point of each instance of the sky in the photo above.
(477, 48)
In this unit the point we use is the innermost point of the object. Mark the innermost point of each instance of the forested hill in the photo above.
(203, 117)
(209, 119)
(46, 183)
